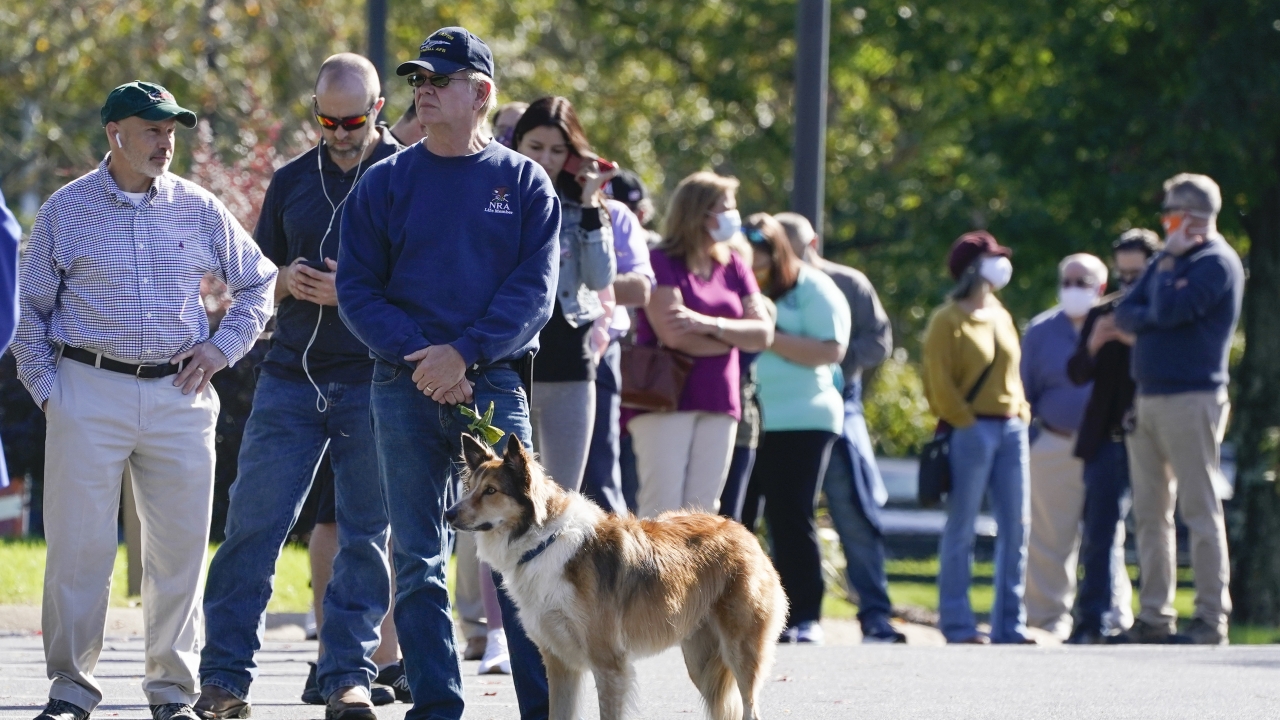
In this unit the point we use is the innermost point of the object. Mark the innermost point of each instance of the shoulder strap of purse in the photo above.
(982, 379)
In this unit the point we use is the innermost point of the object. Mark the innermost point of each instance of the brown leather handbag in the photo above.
(653, 377)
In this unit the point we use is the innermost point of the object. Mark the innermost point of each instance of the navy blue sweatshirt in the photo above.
(1184, 319)
(461, 251)
(294, 221)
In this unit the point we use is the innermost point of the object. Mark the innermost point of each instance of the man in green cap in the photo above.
(114, 344)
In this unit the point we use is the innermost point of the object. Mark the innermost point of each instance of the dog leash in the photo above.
(538, 550)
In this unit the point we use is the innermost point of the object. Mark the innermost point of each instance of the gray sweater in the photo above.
(871, 336)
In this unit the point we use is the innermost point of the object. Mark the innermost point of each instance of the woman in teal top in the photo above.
(803, 414)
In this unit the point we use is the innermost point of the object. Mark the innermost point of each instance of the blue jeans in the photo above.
(602, 480)
(862, 542)
(734, 494)
(419, 451)
(1106, 500)
(283, 441)
(988, 458)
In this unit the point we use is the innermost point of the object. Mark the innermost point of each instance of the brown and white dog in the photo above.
(596, 590)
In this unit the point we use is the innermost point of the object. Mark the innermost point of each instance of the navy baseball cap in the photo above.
(448, 50)
(146, 100)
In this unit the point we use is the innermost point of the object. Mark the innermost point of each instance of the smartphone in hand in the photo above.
(319, 265)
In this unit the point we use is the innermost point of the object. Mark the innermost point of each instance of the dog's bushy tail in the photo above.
(707, 669)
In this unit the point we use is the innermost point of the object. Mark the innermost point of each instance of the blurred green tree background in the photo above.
(1049, 122)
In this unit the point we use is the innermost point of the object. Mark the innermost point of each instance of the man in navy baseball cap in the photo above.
(448, 50)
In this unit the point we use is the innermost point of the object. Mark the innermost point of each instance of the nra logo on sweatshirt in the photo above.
(500, 203)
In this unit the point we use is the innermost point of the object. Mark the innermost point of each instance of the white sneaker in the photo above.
(496, 660)
(809, 633)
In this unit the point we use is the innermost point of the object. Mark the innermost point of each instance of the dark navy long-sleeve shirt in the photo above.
(450, 250)
(10, 236)
(1184, 319)
(295, 222)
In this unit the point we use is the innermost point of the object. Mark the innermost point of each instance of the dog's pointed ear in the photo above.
(533, 482)
(515, 457)
(475, 452)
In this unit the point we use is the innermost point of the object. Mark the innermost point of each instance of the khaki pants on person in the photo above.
(682, 459)
(1057, 506)
(98, 420)
(1174, 457)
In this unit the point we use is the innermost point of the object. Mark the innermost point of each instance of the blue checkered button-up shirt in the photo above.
(101, 274)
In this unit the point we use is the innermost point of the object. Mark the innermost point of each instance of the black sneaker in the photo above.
(882, 634)
(1144, 633)
(381, 695)
(311, 691)
(173, 711)
(1081, 635)
(62, 710)
(394, 678)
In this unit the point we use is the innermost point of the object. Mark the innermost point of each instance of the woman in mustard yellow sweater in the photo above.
(967, 335)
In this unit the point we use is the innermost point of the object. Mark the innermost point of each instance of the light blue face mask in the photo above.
(728, 224)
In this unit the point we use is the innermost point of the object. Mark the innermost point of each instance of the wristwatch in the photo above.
(719, 328)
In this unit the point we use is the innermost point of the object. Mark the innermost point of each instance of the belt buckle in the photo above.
(137, 371)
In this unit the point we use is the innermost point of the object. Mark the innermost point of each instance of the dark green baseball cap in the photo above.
(146, 100)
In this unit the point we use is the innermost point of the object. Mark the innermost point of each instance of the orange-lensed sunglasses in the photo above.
(354, 122)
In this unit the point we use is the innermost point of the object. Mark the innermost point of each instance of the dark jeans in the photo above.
(1106, 501)
(790, 465)
(419, 446)
(284, 439)
(862, 543)
(602, 481)
(630, 476)
(735, 484)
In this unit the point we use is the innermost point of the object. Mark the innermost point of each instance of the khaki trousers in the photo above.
(1173, 458)
(682, 459)
(1057, 506)
(97, 421)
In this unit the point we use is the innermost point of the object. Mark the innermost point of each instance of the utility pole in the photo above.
(809, 155)
(377, 51)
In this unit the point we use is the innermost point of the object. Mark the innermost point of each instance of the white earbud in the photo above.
(118, 143)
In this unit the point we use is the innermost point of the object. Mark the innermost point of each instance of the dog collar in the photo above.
(538, 550)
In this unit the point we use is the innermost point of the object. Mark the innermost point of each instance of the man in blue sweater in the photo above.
(1183, 312)
(447, 271)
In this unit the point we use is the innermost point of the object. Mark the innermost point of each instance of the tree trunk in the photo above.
(1256, 548)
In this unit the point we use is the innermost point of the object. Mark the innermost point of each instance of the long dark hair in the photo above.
(557, 112)
(763, 230)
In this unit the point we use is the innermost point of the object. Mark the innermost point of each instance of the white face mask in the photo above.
(728, 224)
(997, 271)
(1076, 302)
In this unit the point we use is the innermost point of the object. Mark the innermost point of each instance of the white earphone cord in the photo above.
(322, 402)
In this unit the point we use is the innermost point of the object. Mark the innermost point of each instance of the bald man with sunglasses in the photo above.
(312, 394)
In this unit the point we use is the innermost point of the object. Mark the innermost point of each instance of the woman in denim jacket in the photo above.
(563, 404)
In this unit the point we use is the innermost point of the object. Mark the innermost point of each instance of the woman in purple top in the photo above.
(706, 305)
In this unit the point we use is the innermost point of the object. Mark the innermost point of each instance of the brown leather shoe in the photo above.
(216, 703)
(475, 648)
(350, 703)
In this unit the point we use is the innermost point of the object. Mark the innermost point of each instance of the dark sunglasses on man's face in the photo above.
(1128, 277)
(440, 81)
(1076, 282)
(355, 122)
